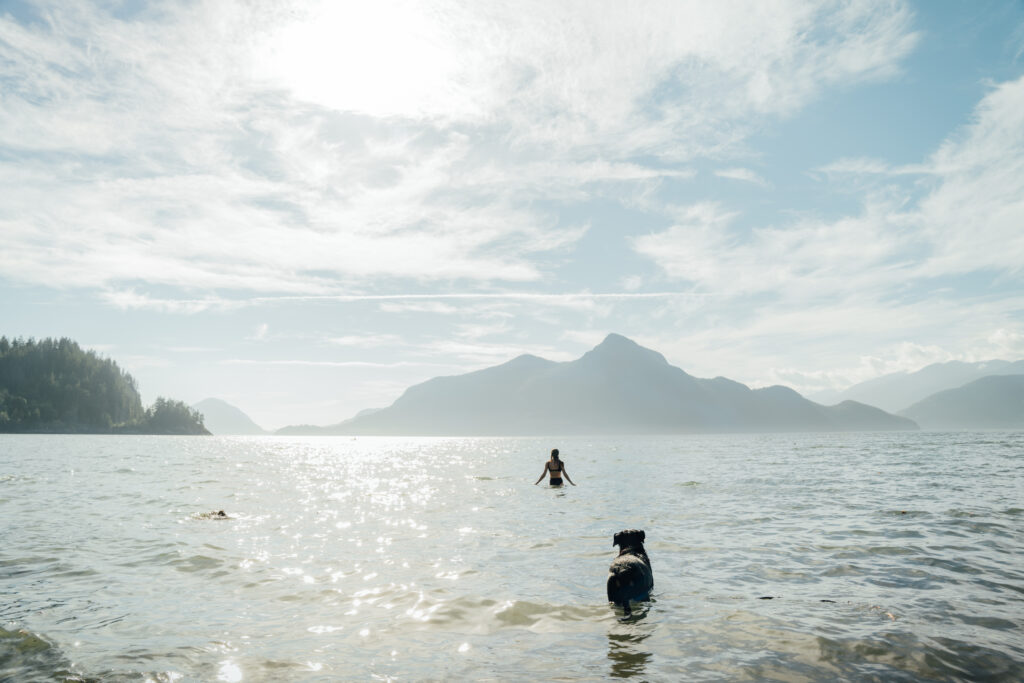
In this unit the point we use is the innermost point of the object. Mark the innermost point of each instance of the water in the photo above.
(416, 559)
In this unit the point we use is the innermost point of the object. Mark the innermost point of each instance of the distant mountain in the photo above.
(220, 417)
(618, 387)
(309, 430)
(897, 391)
(994, 402)
(315, 430)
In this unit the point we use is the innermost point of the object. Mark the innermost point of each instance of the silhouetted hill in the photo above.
(897, 391)
(309, 430)
(995, 402)
(618, 387)
(317, 430)
(220, 417)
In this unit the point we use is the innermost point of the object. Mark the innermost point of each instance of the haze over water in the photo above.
(437, 558)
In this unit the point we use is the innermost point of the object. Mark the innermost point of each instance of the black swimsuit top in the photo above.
(553, 469)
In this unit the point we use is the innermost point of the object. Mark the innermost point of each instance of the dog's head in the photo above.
(629, 538)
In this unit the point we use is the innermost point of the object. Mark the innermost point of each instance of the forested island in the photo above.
(53, 386)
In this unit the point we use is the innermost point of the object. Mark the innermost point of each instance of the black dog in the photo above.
(630, 576)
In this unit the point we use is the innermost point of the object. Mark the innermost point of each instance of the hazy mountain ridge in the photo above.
(617, 387)
(897, 392)
(992, 402)
(222, 418)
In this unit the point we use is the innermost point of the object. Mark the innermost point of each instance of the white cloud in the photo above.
(632, 283)
(1002, 343)
(476, 303)
(261, 332)
(809, 259)
(744, 174)
(131, 300)
(708, 65)
(864, 166)
(970, 221)
(474, 354)
(196, 147)
(366, 340)
(335, 364)
(685, 250)
(974, 219)
(477, 330)
(420, 306)
(970, 218)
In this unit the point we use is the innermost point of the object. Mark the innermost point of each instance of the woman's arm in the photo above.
(567, 475)
(542, 474)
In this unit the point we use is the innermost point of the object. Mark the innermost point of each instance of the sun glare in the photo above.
(378, 58)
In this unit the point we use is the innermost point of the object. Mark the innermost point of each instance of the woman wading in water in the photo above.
(556, 468)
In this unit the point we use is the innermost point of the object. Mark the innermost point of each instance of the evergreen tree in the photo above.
(53, 385)
(173, 417)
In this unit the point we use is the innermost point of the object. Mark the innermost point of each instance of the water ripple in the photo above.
(777, 557)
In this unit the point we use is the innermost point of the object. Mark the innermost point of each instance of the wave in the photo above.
(28, 657)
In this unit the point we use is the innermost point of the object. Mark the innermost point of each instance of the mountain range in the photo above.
(993, 402)
(896, 392)
(618, 387)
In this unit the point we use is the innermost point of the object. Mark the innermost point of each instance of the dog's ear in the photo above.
(642, 535)
(615, 538)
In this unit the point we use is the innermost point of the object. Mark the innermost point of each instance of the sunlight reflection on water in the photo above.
(437, 558)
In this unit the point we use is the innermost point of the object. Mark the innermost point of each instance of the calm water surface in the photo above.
(888, 557)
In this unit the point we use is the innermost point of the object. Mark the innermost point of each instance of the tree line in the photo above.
(54, 386)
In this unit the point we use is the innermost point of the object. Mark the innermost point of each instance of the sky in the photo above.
(304, 208)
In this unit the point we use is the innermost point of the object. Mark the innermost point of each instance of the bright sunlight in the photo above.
(393, 58)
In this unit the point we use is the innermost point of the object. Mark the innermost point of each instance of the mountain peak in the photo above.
(614, 339)
(221, 417)
(619, 348)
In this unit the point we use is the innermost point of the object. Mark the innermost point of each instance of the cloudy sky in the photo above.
(305, 207)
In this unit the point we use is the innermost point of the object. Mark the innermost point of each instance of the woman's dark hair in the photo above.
(554, 453)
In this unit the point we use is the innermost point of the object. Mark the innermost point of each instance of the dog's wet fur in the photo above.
(216, 514)
(630, 576)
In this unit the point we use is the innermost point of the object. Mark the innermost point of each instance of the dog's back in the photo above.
(630, 576)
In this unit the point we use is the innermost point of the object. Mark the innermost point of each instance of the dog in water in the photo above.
(216, 514)
(630, 576)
